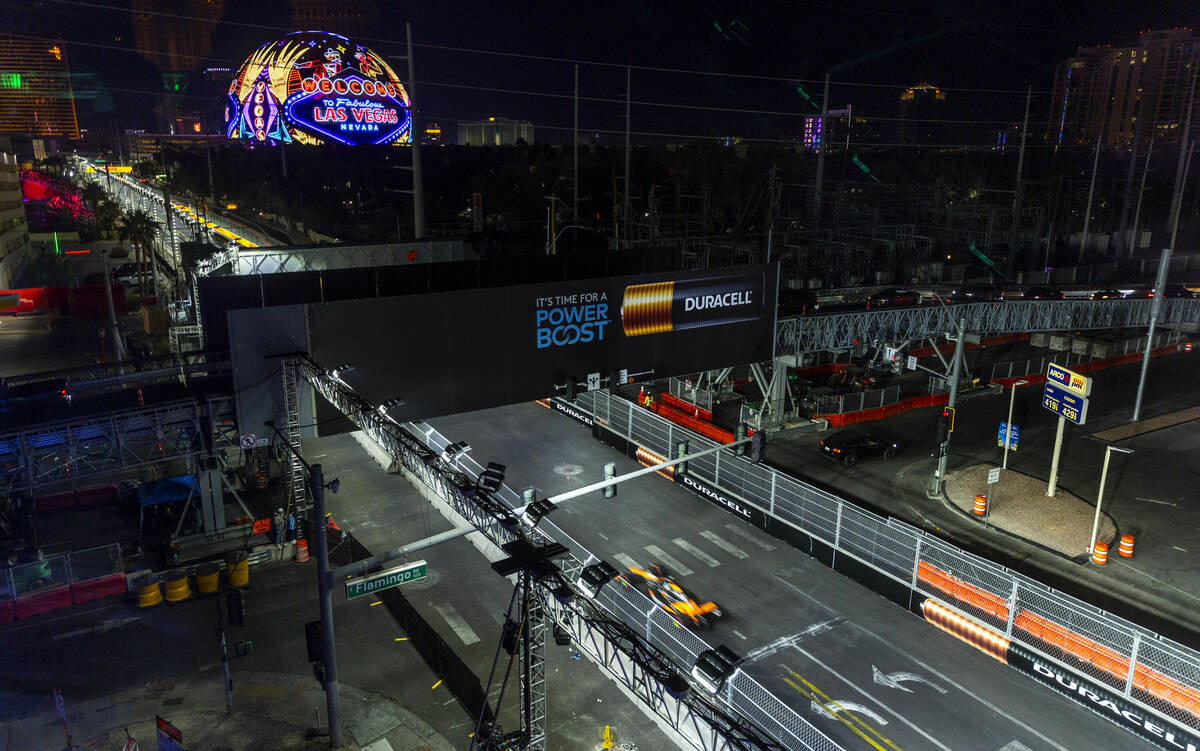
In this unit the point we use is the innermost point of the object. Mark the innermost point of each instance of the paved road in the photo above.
(1151, 493)
(843, 632)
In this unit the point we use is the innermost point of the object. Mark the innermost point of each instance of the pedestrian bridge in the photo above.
(847, 329)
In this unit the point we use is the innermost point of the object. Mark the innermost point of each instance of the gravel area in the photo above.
(1019, 505)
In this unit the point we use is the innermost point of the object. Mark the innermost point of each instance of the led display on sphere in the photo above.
(313, 87)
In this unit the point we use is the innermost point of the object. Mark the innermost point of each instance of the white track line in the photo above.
(741, 530)
(673, 563)
(457, 623)
(728, 547)
(696, 552)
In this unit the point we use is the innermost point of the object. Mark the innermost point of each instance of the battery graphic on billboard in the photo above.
(673, 306)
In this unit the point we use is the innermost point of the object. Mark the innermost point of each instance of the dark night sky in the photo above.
(973, 45)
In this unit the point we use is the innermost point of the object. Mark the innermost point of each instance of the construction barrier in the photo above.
(43, 601)
(301, 551)
(1079, 647)
(989, 342)
(208, 578)
(981, 504)
(177, 587)
(149, 593)
(7, 612)
(706, 429)
(1087, 367)
(698, 412)
(94, 589)
(1126, 549)
(1187, 346)
(1100, 553)
(238, 567)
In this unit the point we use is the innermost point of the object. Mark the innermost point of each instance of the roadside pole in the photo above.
(1164, 263)
(1058, 436)
(317, 484)
(118, 347)
(939, 475)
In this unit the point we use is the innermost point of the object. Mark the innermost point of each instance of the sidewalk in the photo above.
(271, 711)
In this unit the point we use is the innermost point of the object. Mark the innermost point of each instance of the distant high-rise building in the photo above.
(14, 230)
(829, 130)
(35, 90)
(1123, 95)
(358, 20)
(176, 35)
(433, 134)
(495, 131)
(922, 115)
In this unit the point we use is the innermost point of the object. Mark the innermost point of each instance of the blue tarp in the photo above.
(170, 489)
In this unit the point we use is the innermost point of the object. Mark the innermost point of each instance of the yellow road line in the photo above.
(401, 638)
(377, 602)
(436, 684)
(821, 698)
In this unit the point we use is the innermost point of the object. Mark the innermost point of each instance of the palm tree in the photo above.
(107, 214)
(92, 194)
(139, 227)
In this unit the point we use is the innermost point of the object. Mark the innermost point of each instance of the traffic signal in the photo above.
(757, 441)
(948, 413)
(681, 451)
(312, 642)
(741, 435)
(610, 471)
(235, 606)
(945, 425)
(572, 387)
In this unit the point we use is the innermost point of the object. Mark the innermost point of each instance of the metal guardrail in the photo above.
(104, 375)
(1097, 350)
(62, 570)
(685, 389)
(842, 330)
(897, 549)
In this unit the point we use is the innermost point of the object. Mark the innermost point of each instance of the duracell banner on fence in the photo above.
(458, 351)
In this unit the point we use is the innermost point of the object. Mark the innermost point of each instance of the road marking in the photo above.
(896, 680)
(889, 710)
(436, 684)
(696, 552)
(626, 561)
(784, 642)
(460, 626)
(846, 706)
(674, 563)
(1155, 500)
(1010, 746)
(1182, 550)
(603, 536)
(107, 624)
(811, 696)
(740, 529)
(739, 634)
(730, 548)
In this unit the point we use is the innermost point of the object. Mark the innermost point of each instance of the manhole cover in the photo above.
(568, 470)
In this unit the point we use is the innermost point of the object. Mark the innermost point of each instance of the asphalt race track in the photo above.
(808, 634)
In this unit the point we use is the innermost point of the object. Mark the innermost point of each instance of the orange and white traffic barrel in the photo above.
(981, 504)
(1100, 553)
(1187, 346)
(1126, 549)
(301, 551)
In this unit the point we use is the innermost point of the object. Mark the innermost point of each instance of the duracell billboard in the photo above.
(459, 351)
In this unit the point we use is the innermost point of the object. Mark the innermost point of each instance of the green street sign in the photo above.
(369, 585)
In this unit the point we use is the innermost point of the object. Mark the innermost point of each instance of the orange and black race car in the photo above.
(677, 601)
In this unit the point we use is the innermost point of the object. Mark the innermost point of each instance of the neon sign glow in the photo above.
(314, 88)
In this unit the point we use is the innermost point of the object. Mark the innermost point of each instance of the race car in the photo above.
(677, 601)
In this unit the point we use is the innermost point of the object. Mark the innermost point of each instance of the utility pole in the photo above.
(317, 485)
(770, 209)
(418, 185)
(575, 140)
(1087, 216)
(118, 346)
(817, 186)
(208, 157)
(1137, 214)
(628, 78)
(939, 476)
(1016, 210)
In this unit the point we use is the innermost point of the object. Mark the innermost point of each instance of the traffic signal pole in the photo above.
(939, 475)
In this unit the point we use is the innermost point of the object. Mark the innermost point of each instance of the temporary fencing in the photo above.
(58, 581)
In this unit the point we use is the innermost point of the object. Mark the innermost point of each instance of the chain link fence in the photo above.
(685, 389)
(1154, 672)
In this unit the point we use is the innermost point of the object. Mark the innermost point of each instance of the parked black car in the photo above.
(849, 446)
(894, 298)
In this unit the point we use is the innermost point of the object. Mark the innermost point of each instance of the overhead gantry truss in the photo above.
(843, 330)
(115, 441)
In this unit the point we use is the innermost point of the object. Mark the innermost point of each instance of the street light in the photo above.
(1012, 397)
(1100, 496)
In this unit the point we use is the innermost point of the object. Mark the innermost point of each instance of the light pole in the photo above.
(1012, 397)
(1100, 496)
